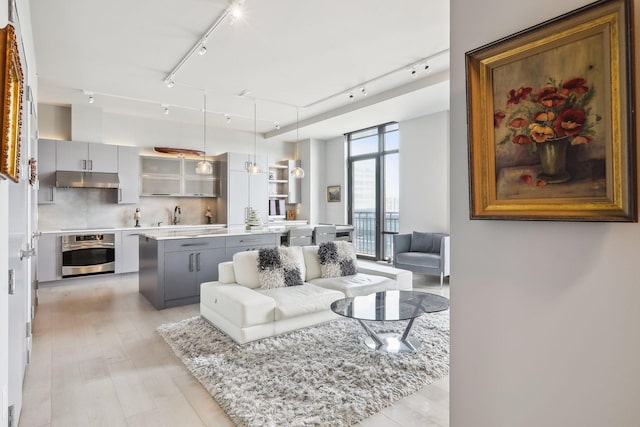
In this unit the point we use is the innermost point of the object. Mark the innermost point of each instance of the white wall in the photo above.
(335, 173)
(4, 297)
(544, 326)
(424, 173)
(146, 133)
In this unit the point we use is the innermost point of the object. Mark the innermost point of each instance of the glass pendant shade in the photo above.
(204, 167)
(297, 172)
(254, 169)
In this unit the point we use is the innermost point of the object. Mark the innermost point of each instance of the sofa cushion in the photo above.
(418, 259)
(300, 300)
(239, 305)
(337, 259)
(311, 262)
(245, 268)
(359, 284)
(279, 267)
(422, 242)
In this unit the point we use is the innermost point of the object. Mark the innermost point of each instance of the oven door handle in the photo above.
(104, 245)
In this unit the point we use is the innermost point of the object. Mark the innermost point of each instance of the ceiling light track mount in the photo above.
(232, 12)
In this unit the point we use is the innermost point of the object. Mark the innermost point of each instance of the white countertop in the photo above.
(148, 228)
(191, 234)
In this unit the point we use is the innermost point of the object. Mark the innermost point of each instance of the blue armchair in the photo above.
(424, 253)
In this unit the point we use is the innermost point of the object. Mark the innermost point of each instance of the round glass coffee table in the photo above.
(390, 306)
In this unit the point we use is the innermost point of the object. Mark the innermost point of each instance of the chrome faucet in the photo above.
(176, 215)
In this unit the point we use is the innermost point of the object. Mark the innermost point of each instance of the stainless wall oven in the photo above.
(87, 254)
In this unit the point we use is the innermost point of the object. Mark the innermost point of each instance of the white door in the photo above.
(22, 215)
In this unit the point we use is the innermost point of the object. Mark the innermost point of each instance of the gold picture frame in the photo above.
(12, 81)
(550, 120)
(333, 193)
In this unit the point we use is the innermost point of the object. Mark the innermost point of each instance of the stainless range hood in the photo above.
(70, 179)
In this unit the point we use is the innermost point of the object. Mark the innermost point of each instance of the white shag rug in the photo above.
(322, 375)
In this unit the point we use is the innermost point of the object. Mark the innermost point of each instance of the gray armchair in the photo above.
(424, 253)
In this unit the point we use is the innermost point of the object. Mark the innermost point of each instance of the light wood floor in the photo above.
(98, 361)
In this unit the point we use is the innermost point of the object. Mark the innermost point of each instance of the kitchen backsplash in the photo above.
(93, 208)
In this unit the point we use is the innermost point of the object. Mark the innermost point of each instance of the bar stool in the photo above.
(324, 233)
(299, 236)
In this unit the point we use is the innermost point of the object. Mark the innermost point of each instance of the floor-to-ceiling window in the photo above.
(374, 189)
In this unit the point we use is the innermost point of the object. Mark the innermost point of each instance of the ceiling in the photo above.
(290, 55)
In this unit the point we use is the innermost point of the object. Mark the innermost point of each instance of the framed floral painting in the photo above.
(550, 124)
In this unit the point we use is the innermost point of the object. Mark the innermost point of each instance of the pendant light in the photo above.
(204, 167)
(254, 169)
(297, 172)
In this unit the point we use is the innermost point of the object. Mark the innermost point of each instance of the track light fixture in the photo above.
(227, 118)
(232, 12)
(89, 94)
(166, 109)
(169, 82)
(350, 96)
(412, 72)
(363, 91)
(277, 125)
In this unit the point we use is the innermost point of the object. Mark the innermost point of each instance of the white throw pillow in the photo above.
(245, 269)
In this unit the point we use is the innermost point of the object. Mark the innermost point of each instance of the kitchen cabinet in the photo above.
(196, 185)
(239, 190)
(49, 258)
(171, 271)
(86, 157)
(46, 171)
(127, 260)
(128, 174)
(162, 176)
(250, 242)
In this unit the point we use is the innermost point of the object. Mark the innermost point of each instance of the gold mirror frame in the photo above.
(505, 178)
(12, 83)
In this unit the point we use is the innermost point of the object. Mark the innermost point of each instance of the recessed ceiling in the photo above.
(286, 53)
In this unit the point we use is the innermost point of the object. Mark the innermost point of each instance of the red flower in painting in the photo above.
(569, 122)
(577, 86)
(521, 140)
(556, 110)
(518, 122)
(515, 96)
(550, 97)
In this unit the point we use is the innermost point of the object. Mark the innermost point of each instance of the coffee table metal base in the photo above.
(391, 342)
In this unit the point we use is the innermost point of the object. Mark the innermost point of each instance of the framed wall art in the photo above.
(333, 193)
(11, 85)
(550, 124)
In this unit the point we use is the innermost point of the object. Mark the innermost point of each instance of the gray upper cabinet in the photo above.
(165, 176)
(46, 171)
(83, 156)
(128, 174)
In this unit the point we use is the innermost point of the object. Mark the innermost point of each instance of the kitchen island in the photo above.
(173, 263)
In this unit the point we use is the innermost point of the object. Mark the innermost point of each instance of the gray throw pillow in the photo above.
(277, 268)
(337, 259)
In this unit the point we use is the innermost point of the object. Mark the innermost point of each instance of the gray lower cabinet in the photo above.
(250, 242)
(171, 271)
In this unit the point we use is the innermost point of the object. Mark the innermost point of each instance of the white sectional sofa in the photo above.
(237, 305)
